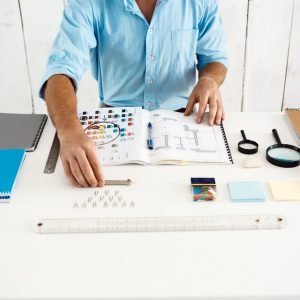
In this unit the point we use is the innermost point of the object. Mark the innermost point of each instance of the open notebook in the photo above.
(121, 135)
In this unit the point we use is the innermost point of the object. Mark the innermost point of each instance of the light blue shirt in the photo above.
(137, 63)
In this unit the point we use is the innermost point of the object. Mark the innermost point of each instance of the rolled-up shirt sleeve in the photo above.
(211, 41)
(70, 53)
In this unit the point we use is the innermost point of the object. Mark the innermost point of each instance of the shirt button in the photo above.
(150, 82)
(151, 57)
(51, 60)
(151, 30)
(149, 104)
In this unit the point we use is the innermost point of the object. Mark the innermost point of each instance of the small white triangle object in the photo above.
(252, 162)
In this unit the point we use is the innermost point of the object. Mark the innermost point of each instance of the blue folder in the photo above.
(10, 163)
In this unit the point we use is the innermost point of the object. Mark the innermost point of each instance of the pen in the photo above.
(149, 140)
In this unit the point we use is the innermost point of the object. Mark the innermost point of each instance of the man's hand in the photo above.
(206, 92)
(77, 152)
(79, 158)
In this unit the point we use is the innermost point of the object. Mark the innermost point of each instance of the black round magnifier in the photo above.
(283, 155)
(247, 146)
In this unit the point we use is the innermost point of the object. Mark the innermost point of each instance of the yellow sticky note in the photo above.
(285, 190)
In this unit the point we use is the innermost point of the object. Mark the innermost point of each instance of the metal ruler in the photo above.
(159, 224)
(53, 156)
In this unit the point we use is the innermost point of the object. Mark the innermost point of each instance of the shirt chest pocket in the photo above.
(184, 44)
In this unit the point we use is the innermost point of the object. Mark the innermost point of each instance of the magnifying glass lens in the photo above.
(248, 146)
(284, 154)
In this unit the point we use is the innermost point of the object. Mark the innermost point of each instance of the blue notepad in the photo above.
(10, 163)
(246, 191)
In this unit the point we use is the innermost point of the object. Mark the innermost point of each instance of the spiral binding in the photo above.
(297, 109)
(226, 143)
(4, 196)
(39, 133)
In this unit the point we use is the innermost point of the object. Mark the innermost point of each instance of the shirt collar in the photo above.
(131, 5)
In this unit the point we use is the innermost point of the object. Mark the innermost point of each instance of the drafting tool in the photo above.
(159, 224)
(53, 156)
(118, 182)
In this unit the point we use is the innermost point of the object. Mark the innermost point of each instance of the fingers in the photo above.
(83, 172)
(190, 105)
(69, 174)
(213, 112)
(87, 170)
(220, 113)
(95, 165)
(77, 173)
(79, 159)
(202, 107)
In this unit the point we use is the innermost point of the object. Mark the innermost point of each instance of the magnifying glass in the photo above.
(283, 155)
(247, 146)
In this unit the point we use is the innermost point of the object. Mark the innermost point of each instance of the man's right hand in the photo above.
(77, 152)
(79, 158)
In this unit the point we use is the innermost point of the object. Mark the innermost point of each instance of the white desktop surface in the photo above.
(261, 264)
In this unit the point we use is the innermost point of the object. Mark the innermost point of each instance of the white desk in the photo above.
(197, 265)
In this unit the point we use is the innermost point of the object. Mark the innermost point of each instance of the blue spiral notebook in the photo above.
(10, 164)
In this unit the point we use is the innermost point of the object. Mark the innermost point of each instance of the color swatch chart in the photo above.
(112, 130)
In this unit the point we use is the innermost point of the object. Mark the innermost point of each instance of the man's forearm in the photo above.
(61, 103)
(215, 71)
(77, 152)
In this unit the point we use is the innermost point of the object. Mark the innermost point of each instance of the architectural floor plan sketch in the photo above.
(170, 133)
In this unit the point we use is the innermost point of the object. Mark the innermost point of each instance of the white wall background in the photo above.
(263, 44)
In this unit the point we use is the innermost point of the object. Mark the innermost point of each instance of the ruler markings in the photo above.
(53, 156)
(160, 224)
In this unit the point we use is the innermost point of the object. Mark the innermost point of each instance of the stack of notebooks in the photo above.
(293, 118)
(19, 133)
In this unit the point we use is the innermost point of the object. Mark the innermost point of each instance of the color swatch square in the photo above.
(285, 190)
(246, 191)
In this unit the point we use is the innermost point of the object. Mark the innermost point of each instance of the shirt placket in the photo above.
(151, 68)
(152, 60)
(152, 53)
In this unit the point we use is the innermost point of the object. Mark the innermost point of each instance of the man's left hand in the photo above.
(206, 92)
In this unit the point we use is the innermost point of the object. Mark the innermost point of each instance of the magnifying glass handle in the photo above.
(277, 138)
(243, 134)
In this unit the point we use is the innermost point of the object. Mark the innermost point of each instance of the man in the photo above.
(143, 53)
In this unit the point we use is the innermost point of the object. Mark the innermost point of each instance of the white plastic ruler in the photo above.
(159, 224)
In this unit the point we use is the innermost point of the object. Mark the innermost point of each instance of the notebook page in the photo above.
(115, 133)
(179, 139)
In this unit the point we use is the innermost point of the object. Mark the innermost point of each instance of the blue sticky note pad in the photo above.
(246, 191)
